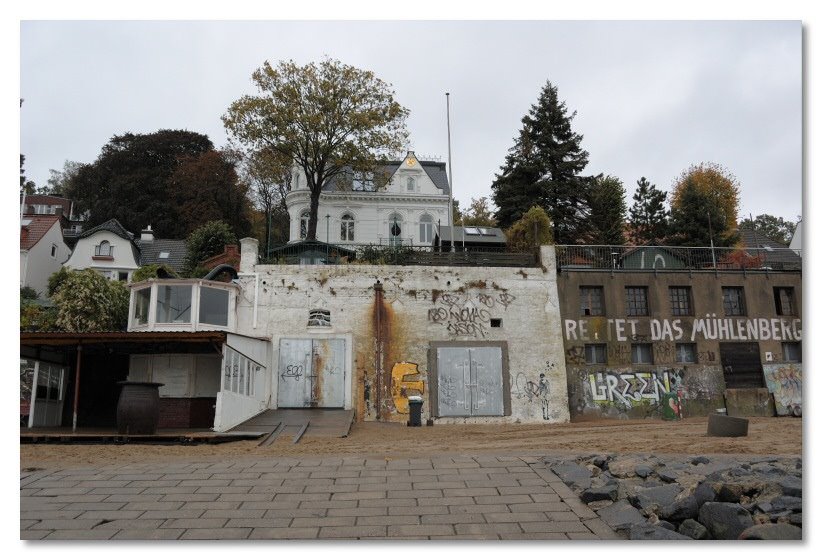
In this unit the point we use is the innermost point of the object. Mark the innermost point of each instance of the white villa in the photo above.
(408, 211)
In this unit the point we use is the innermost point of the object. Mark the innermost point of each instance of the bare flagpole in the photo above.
(450, 172)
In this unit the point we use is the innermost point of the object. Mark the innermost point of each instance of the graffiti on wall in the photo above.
(537, 391)
(630, 388)
(709, 328)
(467, 314)
(784, 381)
(405, 378)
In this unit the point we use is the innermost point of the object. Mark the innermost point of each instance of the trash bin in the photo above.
(415, 410)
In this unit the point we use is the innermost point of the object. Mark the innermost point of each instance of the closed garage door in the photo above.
(470, 380)
(311, 373)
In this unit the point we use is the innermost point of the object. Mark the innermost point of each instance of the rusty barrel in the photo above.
(138, 410)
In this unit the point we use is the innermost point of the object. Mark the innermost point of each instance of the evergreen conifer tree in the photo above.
(543, 168)
(648, 216)
(607, 218)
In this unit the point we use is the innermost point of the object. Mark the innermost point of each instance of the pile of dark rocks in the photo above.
(677, 497)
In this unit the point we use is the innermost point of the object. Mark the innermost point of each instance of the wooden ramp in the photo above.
(313, 422)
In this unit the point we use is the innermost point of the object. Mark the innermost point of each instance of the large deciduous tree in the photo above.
(772, 227)
(544, 167)
(205, 188)
(327, 117)
(721, 192)
(697, 220)
(268, 176)
(479, 213)
(606, 199)
(204, 242)
(131, 180)
(648, 216)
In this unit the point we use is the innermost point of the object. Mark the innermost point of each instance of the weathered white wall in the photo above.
(37, 264)
(416, 311)
(82, 256)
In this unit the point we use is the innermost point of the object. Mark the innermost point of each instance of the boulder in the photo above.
(599, 504)
(621, 515)
(643, 470)
(651, 499)
(701, 460)
(787, 503)
(595, 494)
(724, 520)
(667, 475)
(654, 533)
(791, 486)
(772, 531)
(624, 468)
(693, 529)
(704, 492)
(572, 474)
(681, 509)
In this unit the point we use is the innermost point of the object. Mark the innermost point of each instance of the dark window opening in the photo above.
(680, 300)
(596, 354)
(590, 298)
(496, 322)
(733, 300)
(783, 299)
(637, 301)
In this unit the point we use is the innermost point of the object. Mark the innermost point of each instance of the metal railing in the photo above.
(622, 257)
(402, 255)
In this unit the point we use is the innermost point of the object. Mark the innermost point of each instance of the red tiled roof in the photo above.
(36, 229)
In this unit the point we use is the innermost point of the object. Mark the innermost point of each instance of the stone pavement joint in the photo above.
(459, 497)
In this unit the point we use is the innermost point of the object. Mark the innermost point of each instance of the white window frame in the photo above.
(426, 228)
(347, 227)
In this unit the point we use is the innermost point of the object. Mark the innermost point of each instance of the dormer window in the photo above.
(104, 249)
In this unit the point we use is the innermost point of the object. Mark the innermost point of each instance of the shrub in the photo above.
(531, 231)
(88, 302)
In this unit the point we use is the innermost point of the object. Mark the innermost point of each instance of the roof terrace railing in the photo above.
(623, 257)
(397, 254)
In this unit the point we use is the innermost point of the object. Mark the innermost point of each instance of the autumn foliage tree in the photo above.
(479, 213)
(328, 118)
(206, 187)
(530, 231)
(718, 193)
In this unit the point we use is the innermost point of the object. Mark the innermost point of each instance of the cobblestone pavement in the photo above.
(459, 497)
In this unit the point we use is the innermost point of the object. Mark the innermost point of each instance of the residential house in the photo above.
(42, 250)
(406, 211)
(114, 252)
(48, 204)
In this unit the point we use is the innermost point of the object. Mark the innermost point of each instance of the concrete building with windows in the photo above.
(681, 342)
(407, 210)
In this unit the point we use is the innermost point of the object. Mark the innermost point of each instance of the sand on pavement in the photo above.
(766, 436)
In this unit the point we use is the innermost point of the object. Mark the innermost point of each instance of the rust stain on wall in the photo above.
(404, 382)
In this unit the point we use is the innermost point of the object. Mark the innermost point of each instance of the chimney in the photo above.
(147, 234)
(249, 248)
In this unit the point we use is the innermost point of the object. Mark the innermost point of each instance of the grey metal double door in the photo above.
(469, 381)
(311, 373)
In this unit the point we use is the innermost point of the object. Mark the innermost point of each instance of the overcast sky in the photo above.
(651, 98)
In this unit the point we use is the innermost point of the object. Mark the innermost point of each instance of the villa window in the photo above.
(411, 184)
(174, 304)
(426, 229)
(104, 249)
(347, 228)
(53, 251)
(394, 229)
(304, 217)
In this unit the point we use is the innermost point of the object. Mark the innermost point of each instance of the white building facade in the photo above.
(407, 211)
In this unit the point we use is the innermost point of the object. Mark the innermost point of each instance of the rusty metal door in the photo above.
(741, 365)
(469, 381)
(311, 373)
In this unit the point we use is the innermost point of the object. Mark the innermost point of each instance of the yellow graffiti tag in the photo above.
(401, 384)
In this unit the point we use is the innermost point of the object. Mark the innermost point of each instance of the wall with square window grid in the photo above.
(393, 327)
(641, 344)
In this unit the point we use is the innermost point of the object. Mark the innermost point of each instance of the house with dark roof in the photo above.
(115, 253)
(408, 209)
(42, 250)
(767, 253)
